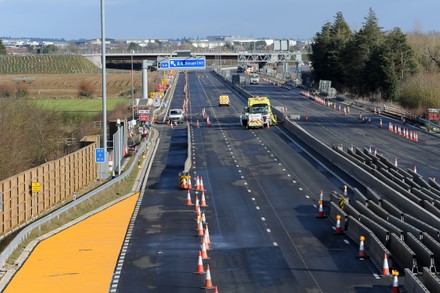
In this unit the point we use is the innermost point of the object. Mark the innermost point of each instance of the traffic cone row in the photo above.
(404, 132)
(203, 234)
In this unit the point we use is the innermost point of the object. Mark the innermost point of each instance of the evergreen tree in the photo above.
(2, 48)
(319, 55)
(358, 52)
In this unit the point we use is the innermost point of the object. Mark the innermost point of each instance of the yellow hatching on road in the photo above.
(81, 258)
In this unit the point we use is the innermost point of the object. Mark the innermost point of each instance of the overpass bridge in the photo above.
(261, 57)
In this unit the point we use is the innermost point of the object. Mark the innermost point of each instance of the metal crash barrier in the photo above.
(414, 285)
(405, 256)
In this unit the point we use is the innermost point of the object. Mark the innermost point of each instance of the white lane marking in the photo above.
(376, 276)
(307, 196)
(263, 219)
(268, 230)
(300, 189)
(253, 198)
(257, 207)
(275, 244)
(294, 181)
(346, 241)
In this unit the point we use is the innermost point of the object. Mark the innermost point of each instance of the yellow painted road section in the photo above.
(81, 258)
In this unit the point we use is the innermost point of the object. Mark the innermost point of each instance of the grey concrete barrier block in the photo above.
(368, 160)
(432, 193)
(404, 226)
(422, 182)
(357, 195)
(336, 210)
(403, 255)
(397, 174)
(351, 211)
(423, 196)
(430, 281)
(434, 184)
(434, 246)
(425, 257)
(431, 208)
(391, 208)
(386, 162)
(380, 232)
(413, 284)
(426, 228)
(378, 210)
(412, 184)
(356, 156)
(373, 195)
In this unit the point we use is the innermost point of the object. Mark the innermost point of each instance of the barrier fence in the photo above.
(34, 192)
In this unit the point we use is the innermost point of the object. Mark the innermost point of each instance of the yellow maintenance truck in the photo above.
(223, 100)
(258, 113)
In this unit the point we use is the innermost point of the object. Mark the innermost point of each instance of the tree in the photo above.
(133, 47)
(49, 49)
(2, 48)
(358, 52)
(319, 56)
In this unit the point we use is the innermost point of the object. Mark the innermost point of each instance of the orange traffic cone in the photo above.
(200, 268)
(395, 288)
(189, 183)
(188, 199)
(208, 239)
(198, 183)
(200, 228)
(204, 251)
(321, 195)
(201, 183)
(321, 210)
(208, 121)
(386, 268)
(215, 289)
(203, 200)
(361, 247)
(395, 163)
(415, 169)
(197, 123)
(197, 205)
(338, 224)
(208, 281)
(205, 240)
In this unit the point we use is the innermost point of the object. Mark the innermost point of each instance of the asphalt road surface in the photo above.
(261, 187)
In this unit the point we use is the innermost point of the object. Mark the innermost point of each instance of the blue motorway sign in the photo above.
(190, 63)
(99, 155)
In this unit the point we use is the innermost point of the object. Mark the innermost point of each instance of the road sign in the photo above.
(180, 63)
(35, 186)
(99, 155)
(143, 117)
(144, 111)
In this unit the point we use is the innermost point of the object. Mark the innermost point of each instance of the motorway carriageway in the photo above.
(81, 258)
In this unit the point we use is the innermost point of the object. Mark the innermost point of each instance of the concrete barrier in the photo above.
(425, 257)
(426, 228)
(357, 195)
(373, 195)
(373, 246)
(391, 208)
(386, 162)
(423, 196)
(434, 184)
(381, 233)
(430, 281)
(378, 210)
(432, 193)
(420, 181)
(433, 245)
(404, 256)
(404, 226)
(431, 208)
(336, 210)
(413, 284)
(378, 220)
(397, 174)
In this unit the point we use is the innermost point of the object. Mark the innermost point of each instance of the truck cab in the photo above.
(257, 114)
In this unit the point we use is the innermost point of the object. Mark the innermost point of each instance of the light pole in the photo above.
(104, 88)
(118, 147)
(132, 91)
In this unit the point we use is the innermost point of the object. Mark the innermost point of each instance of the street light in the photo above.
(104, 90)
(118, 147)
(132, 91)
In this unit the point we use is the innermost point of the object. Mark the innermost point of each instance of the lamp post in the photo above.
(118, 147)
(132, 91)
(104, 88)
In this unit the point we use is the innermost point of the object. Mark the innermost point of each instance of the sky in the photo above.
(176, 19)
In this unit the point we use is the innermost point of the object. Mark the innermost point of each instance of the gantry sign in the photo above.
(182, 63)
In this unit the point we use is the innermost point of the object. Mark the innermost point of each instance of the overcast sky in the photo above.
(141, 19)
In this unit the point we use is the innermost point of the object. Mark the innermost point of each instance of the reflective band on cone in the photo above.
(361, 247)
(200, 268)
(208, 281)
(386, 268)
(395, 288)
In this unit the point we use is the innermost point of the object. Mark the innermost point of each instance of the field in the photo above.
(67, 85)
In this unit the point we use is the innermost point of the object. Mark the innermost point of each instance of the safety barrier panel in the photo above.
(432, 193)
(404, 226)
(374, 247)
(357, 195)
(336, 210)
(351, 211)
(391, 208)
(378, 220)
(413, 284)
(404, 256)
(397, 174)
(386, 162)
(412, 184)
(425, 257)
(356, 156)
(381, 233)
(431, 208)
(367, 159)
(433, 245)
(423, 196)
(378, 210)
(373, 195)
(420, 181)
(430, 280)
(434, 184)
(434, 232)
